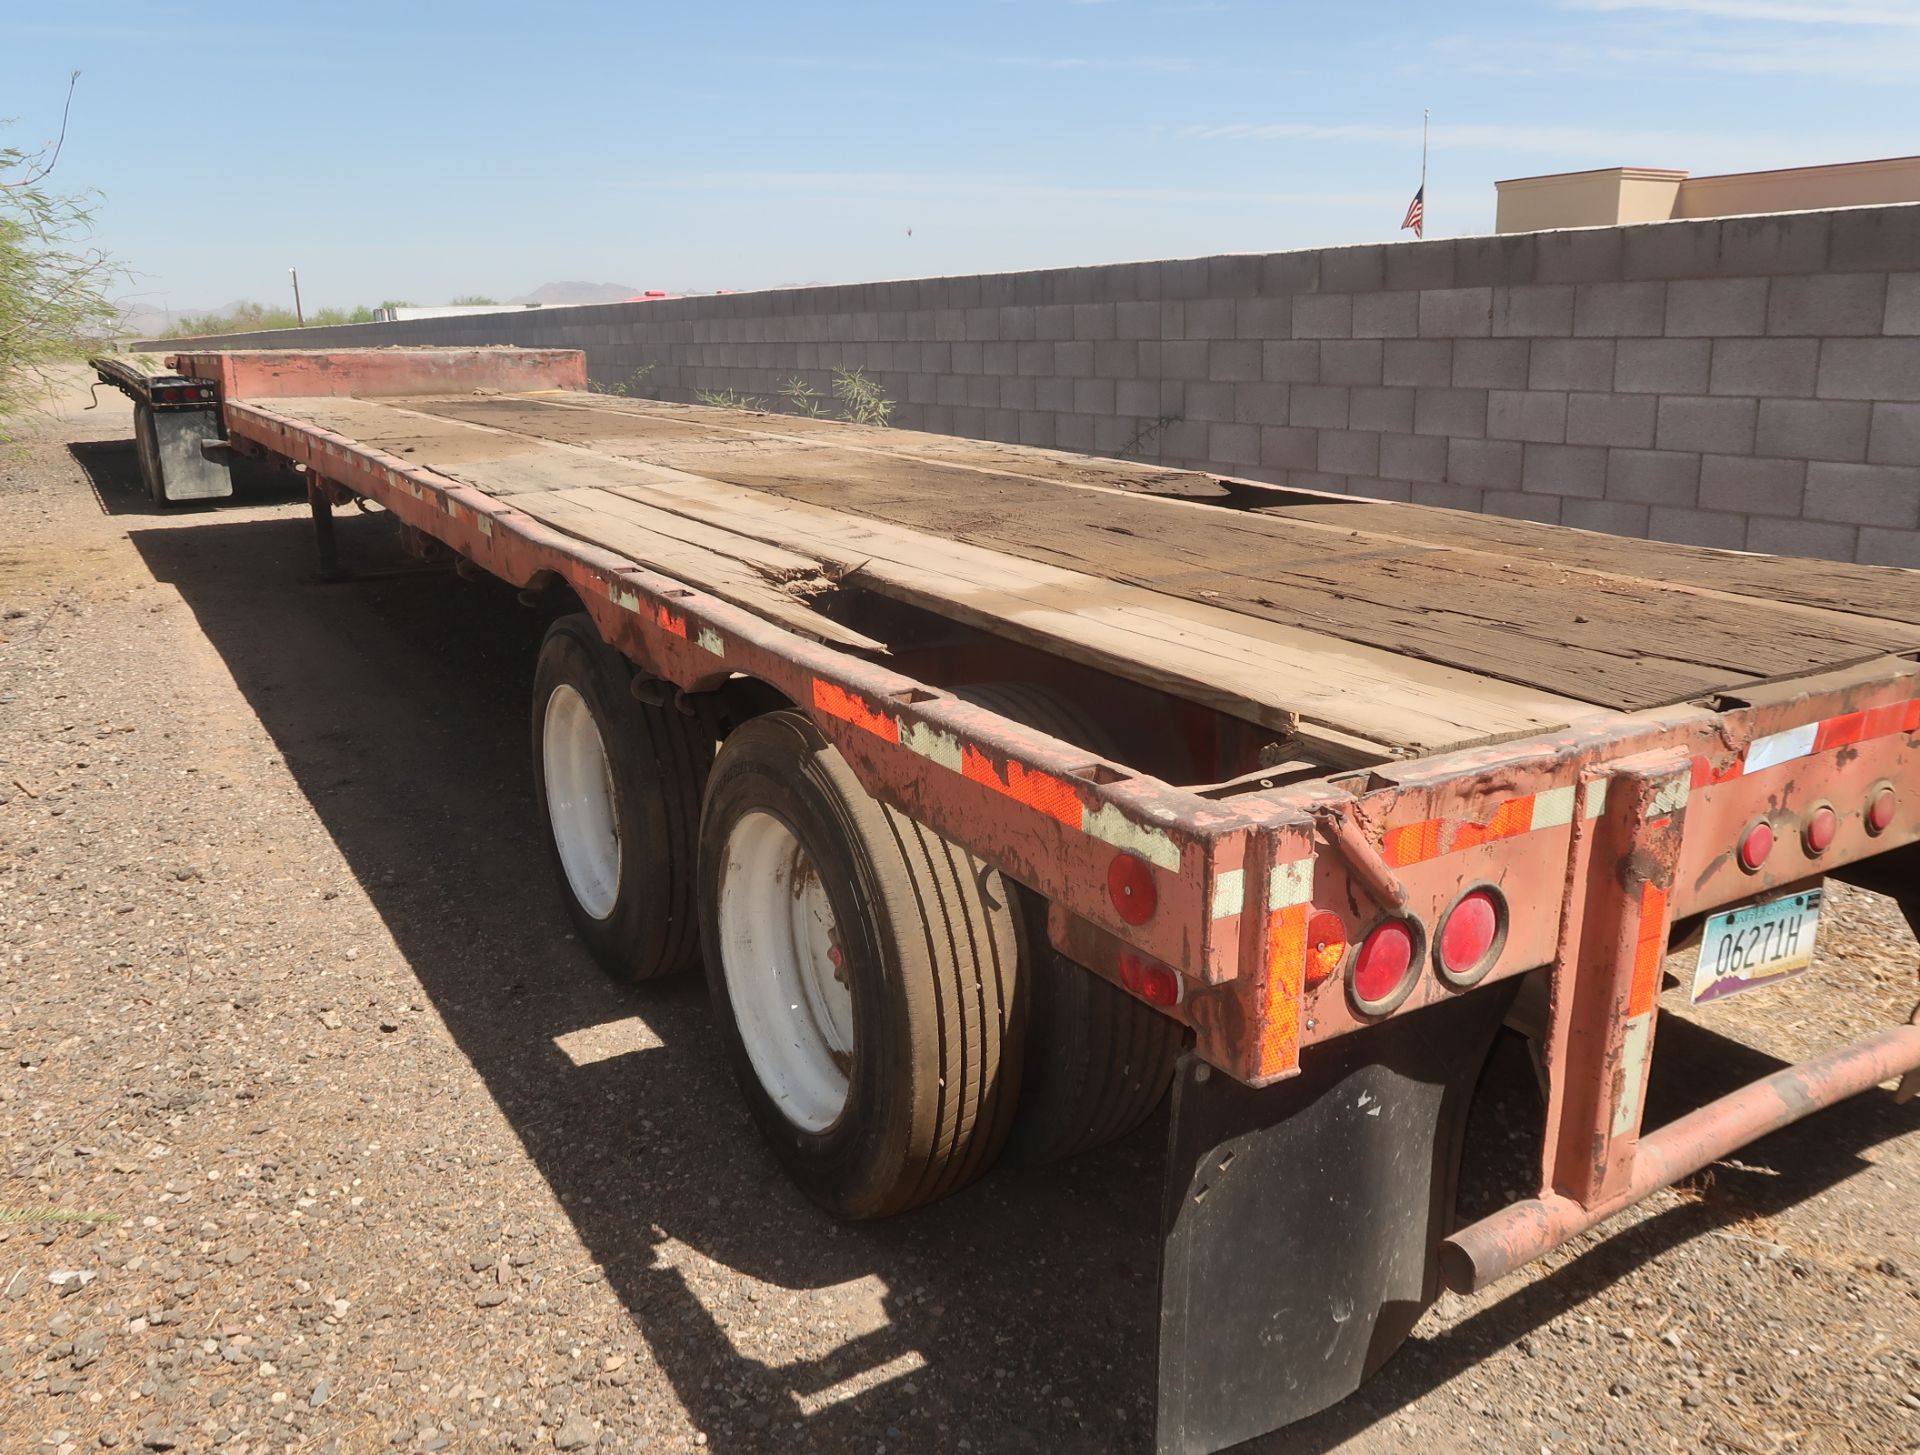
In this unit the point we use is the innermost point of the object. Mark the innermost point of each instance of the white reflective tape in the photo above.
(485, 523)
(1229, 892)
(713, 641)
(1770, 752)
(1290, 884)
(1635, 1042)
(1111, 826)
(1670, 797)
(931, 743)
(1553, 808)
(1597, 797)
(624, 599)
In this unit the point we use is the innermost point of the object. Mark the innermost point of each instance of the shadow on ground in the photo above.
(400, 705)
(112, 468)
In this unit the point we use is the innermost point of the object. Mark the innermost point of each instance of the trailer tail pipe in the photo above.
(1487, 1251)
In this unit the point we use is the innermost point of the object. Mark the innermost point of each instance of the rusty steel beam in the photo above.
(1486, 1251)
(1605, 989)
(373, 373)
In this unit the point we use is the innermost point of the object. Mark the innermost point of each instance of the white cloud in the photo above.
(1574, 146)
(1766, 10)
(1855, 42)
(1556, 140)
(1097, 63)
(967, 184)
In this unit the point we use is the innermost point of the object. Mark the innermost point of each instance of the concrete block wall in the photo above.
(1746, 382)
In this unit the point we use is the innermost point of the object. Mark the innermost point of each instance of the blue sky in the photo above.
(420, 150)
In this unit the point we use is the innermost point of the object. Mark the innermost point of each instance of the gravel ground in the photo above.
(321, 1134)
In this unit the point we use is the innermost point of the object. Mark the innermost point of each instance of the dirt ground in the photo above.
(320, 1133)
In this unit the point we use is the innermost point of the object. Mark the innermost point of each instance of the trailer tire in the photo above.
(1097, 1061)
(619, 784)
(146, 445)
(864, 976)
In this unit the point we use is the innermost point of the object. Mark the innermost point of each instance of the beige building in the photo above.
(1609, 196)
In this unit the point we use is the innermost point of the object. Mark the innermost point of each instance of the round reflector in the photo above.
(1880, 810)
(1470, 936)
(1383, 970)
(1823, 825)
(1326, 943)
(1755, 847)
(1130, 887)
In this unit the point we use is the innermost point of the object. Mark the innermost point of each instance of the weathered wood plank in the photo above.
(1877, 591)
(1259, 670)
(746, 572)
(1042, 553)
(1603, 638)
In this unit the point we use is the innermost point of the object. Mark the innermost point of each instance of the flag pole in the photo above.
(1426, 114)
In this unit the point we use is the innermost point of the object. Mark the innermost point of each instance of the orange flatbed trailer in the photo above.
(1327, 787)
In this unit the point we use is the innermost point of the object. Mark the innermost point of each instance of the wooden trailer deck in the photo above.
(1406, 627)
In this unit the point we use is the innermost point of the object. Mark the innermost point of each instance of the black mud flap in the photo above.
(1302, 1220)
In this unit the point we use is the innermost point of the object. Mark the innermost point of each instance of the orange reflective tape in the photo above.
(1515, 816)
(840, 703)
(1838, 732)
(669, 622)
(1412, 843)
(1867, 724)
(1286, 973)
(1026, 785)
(1881, 722)
(1649, 949)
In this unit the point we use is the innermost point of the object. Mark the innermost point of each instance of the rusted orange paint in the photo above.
(378, 373)
(1515, 816)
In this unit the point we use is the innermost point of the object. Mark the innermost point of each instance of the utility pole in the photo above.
(301, 317)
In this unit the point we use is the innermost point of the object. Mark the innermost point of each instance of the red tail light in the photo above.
(1151, 981)
(1385, 967)
(1471, 935)
(1880, 809)
(1823, 825)
(1755, 847)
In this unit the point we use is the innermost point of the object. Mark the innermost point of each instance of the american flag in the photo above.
(1416, 213)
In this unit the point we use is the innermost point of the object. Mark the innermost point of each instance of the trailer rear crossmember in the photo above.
(1173, 713)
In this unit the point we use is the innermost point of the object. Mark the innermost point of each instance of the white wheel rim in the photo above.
(785, 972)
(579, 781)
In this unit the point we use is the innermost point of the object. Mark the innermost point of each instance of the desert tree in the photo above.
(54, 281)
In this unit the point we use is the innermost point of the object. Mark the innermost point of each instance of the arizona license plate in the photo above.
(1756, 944)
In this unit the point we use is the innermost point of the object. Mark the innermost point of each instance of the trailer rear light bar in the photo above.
(183, 394)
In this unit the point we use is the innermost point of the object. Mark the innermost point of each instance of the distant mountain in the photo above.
(140, 321)
(577, 293)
